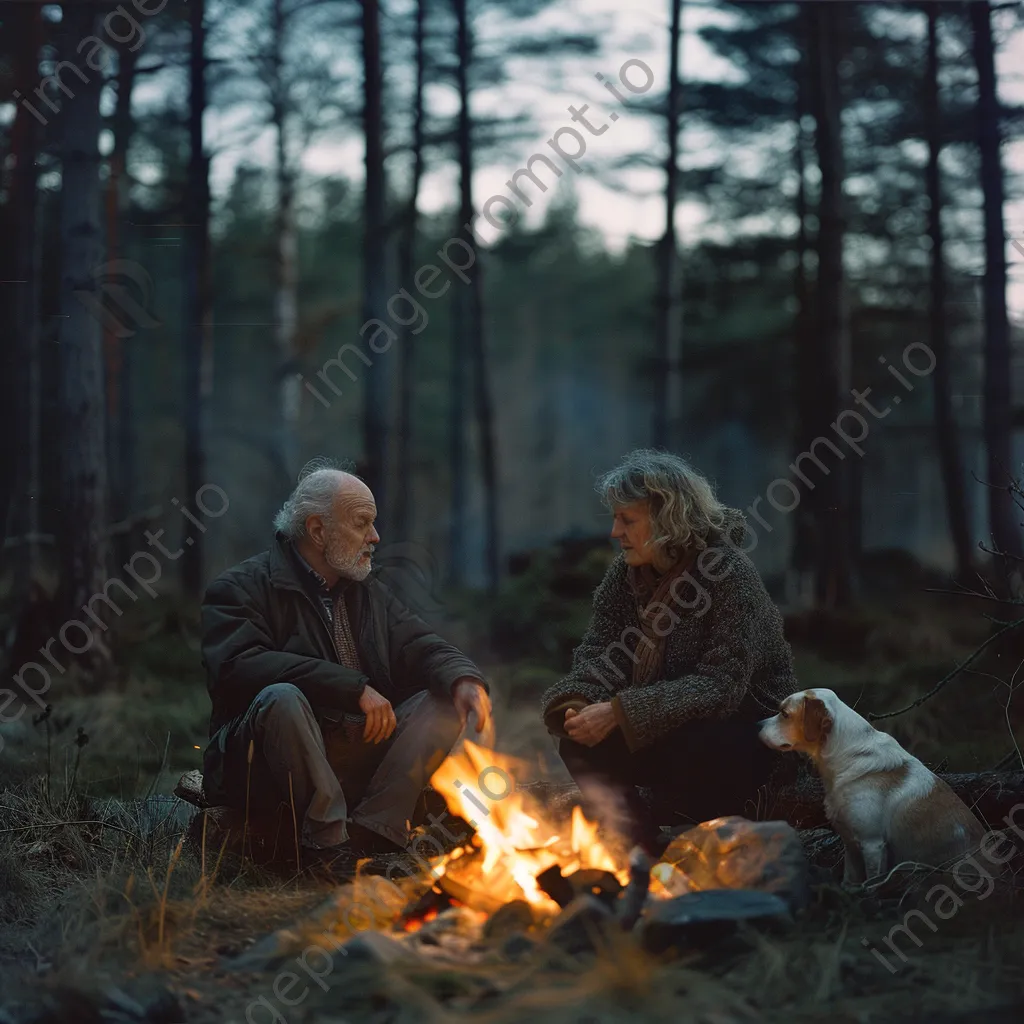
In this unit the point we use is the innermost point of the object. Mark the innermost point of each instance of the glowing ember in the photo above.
(515, 846)
(417, 923)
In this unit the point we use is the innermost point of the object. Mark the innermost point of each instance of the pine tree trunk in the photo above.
(285, 257)
(804, 554)
(457, 443)
(667, 324)
(118, 349)
(26, 139)
(947, 437)
(472, 318)
(198, 315)
(406, 270)
(83, 535)
(833, 507)
(375, 402)
(458, 492)
(997, 383)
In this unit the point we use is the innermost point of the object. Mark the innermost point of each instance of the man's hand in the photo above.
(469, 695)
(380, 717)
(590, 725)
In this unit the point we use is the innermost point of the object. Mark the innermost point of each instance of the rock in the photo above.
(190, 789)
(123, 1003)
(595, 882)
(374, 947)
(699, 919)
(581, 927)
(517, 946)
(155, 815)
(60, 1006)
(151, 1003)
(268, 953)
(515, 916)
(734, 853)
(165, 1007)
(159, 1006)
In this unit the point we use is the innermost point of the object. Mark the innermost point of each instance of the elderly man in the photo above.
(327, 693)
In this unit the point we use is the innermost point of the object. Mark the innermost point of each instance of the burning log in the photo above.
(556, 886)
(470, 895)
(563, 889)
(515, 844)
(631, 903)
(427, 907)
(592, 881)
(991, 795)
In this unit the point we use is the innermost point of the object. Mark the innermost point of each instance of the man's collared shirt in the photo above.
(336, 612)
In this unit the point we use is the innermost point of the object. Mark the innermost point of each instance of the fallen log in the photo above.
(991, 795)
(800, 798)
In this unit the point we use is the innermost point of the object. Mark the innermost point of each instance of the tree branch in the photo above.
(1007, 626)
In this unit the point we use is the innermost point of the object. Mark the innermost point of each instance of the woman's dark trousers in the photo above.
(704, 769)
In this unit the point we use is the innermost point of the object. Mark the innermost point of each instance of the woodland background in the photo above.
(201, 205)
(196, 222)
(837, 188)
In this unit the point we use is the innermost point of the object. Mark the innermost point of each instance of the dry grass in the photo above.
(94, 884)
(819, 971)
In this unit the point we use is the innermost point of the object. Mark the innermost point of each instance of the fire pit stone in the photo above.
(580, 927)
(516, 916)
(734, 853)
(700, 919)
(517, 946)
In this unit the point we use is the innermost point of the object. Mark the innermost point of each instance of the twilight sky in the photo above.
(636, 30)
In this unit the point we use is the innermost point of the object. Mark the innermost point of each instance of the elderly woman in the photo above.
(684, 654)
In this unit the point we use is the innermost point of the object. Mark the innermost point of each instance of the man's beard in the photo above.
(349, 566)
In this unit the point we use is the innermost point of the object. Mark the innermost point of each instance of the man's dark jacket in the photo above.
(262, 625)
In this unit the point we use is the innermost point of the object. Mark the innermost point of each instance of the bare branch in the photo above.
(1006, 627)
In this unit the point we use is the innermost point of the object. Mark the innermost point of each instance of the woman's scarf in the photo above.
(650, 591)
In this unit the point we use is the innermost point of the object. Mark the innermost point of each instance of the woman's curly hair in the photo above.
(683, 507)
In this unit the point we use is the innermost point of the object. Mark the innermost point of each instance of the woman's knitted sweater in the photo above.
(723, 642)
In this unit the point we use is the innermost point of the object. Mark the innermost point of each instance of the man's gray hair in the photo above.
(683, 506)
(313, 496)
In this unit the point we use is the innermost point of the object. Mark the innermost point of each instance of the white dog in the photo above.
(885, 804)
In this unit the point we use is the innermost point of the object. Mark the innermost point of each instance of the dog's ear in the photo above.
(817, 720)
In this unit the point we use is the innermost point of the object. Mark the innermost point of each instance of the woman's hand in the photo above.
(590, 725)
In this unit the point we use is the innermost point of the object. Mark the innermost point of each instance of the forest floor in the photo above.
(107, 923)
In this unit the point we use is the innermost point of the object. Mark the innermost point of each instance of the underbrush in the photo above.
(86, 877)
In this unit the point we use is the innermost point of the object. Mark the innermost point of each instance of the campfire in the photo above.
(518, 863)
(520, 881)
(516, 853)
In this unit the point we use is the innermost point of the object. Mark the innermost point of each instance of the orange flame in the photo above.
(478, 785)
